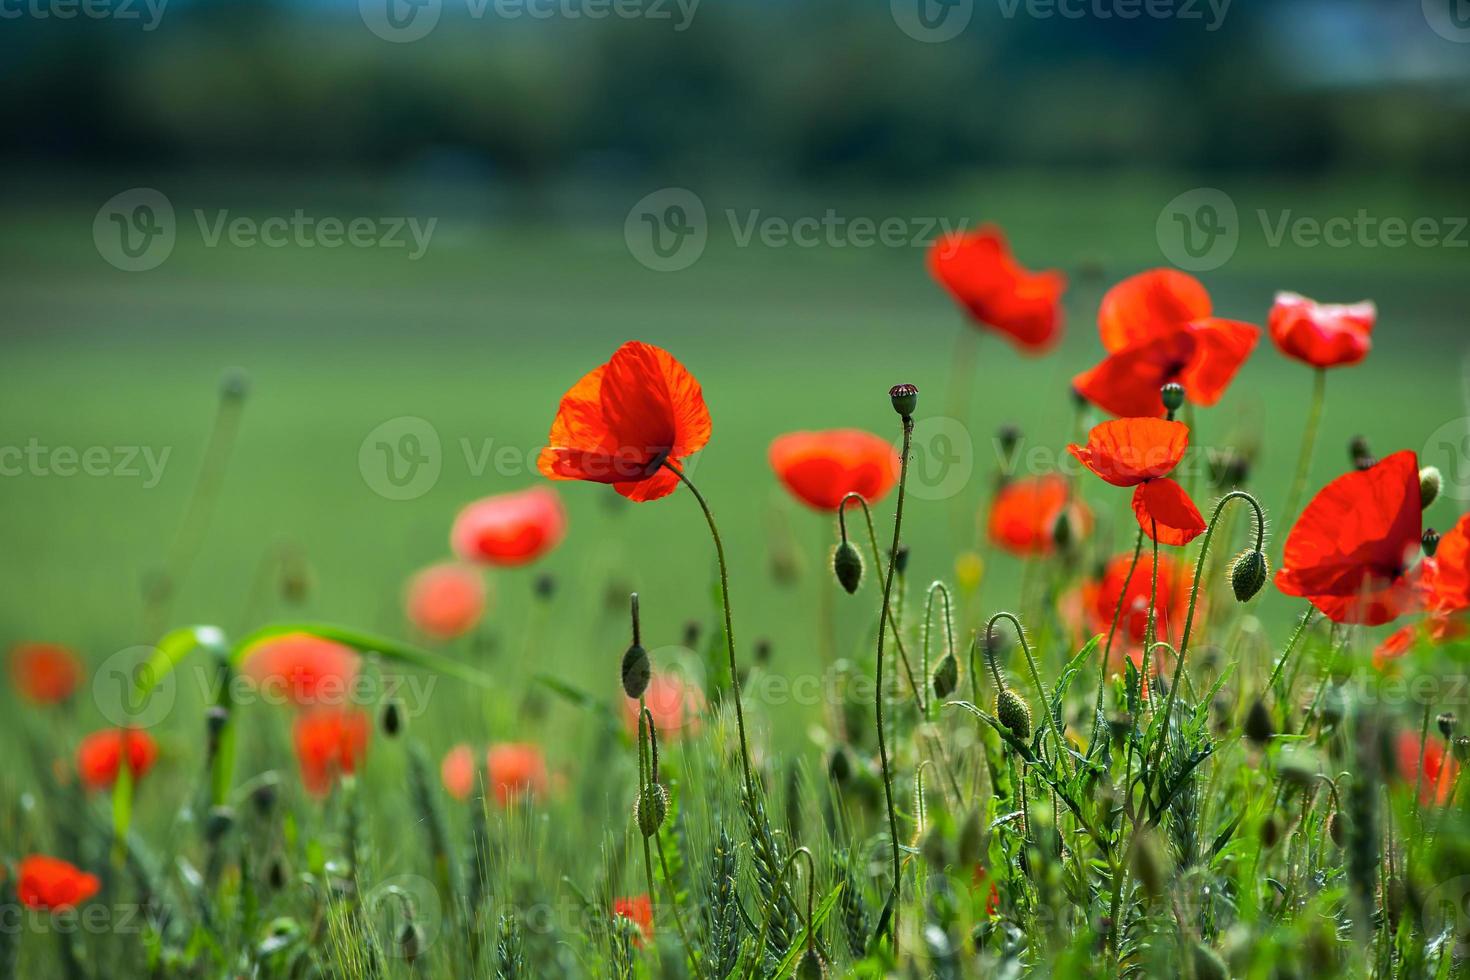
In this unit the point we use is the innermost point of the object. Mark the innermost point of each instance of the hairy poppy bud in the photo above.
(392, 718)
(1360, 454)
(1271, 831)
(946, 677)
(1173, 396)
(1337, 827)
(652, 806)
(1447, 722)
(1430, 484)
(410, 942)
(1248, 574)
(1258, 725)
(636, 671)
(1013, 713)
(1430, 542)
(905, 399)
(901, 559)
(847, 563)
(812, 966)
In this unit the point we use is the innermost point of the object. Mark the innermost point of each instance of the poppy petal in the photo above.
(1322, 334)
(1221, 347)
(978, 270)
(579, 422)
(1149, 306)
(652, 403)
(1127, 383)
(1166, 513)
(1127, 452)
(1447, 574)
(660, 484)
(820, 468)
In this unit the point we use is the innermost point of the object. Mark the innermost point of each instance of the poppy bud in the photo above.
(652, 806)
(264, 795)
(1447, 722)
(763, 651)
(1462, 748)
(847, 563)
(636, 671)
(1061, 531)
(1258, 725)
(1360, 454)
(216, 716)
(1173, 396)
(1007, 438)
(1430, 542)
(234, 385)
(691, 634)
(218, 823)
(839, 765)
(410, 942)
(1013, 713)
(901, 559)
(545, 586)
(905, 399)
(1337, 827)
(1430, 484)
(1248, 574)
(812, 966)
(392, 720)
(1271, 831)
(946, 677)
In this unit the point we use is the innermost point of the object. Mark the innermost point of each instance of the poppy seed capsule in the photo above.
(1173, 396)
(392, 718)
(847, 563)
(1430, 542)
(1248, 574)
(1258, 725)
(1461, 748)
(1013, 713)
(905, 398)
(946, 677)
(1430, 484)
(636, 671)
(651, 808)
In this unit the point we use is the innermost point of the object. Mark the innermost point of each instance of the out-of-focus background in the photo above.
(431, 217)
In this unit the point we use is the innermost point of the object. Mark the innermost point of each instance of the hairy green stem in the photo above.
(903, 654)
(1107, 652)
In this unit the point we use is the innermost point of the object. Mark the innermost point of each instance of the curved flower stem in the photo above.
(903, 475)
(903, 654)
(1301, 628)
(1309, 443)
(1102, 666)
(1045, 707)
(729, 625)
(943, 590)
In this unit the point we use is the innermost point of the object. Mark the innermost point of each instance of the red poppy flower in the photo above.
(820, 468)
(51, 884)
(1446, 578)
(1428, 764)
(1138, 453)
(458, 772)
(624, 420)
(979, 877)
(302, 668)
(1157, 328)
(639, 911)
(1024, 513)
(1349, 552)
(446, 600)
(1323, 335)
(100, 756)
(44, 672)
(978, 270)
(1432, 630)
(516, 769)
(1170, 609)
(510, 528)
(674, 703)
(330, 743)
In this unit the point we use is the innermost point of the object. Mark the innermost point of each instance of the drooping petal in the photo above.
(1127, 383)
(1166, 513)
(1221, 347)
(1149, 306)
(1126, 452)
(977, 269)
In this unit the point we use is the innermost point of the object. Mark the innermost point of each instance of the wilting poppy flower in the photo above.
(458, 772)
(639, 911)
(1138, 453)
(516, 769)
(1157, 328)
(330, 743)
(674, 703)
(302, 668)
(44, 672)
(100, 756)
(1323, 335)
(51, 884)
(1024, 514)
(820, 468)
(510, 528)
(446, 600)
(624, 420)
(1428, 764)
(978, 270)
(1349, 552)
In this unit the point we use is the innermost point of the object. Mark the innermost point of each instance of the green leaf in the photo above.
(819, 919)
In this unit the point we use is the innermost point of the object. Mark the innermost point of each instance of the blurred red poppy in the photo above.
(1428, 764)
(510, 529)
(516, 769)
(1157, 328)
(978, 878)
(1024, 513)
(978, 270)
(303, 669)
(1323, 335)
(446, 600)
(1137, 453)
(51, 884)
(44, 672)
(675, 704)
(1444, 591)
(624, 420)
(100, 756)
(1350, 550)
(820, 468)
(330, 743)
(458, 772)
(638, 910)
(1169, 610)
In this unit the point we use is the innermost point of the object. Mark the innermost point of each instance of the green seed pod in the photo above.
(410, 942)
(1337, 827)
(847, 563)
(651, 808)
(1258, 725)
(946, 677)
(1429, 542)
(636, 671)
(1431, 482)
(1271, 831)
(1207, 963)
(1014, 713)
(392, 719)
(905, 399)
(1248, 574)
(1173, 396)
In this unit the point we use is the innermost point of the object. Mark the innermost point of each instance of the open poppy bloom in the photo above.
(330, 743)
(44, 673)
(510, 529)
(1323, 335)
(1158, 329)
(53, 885)
(820, 468)
(1138, 453)
(639, 911)
(1024, 514)
(101, 755)
(978, 270)
(302, 668)
(624, 420)
(458, 771)
(674, 703)
(446, 600)
(1349, 552)
(1428, 764)
(516, 770)
(1444, 591)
